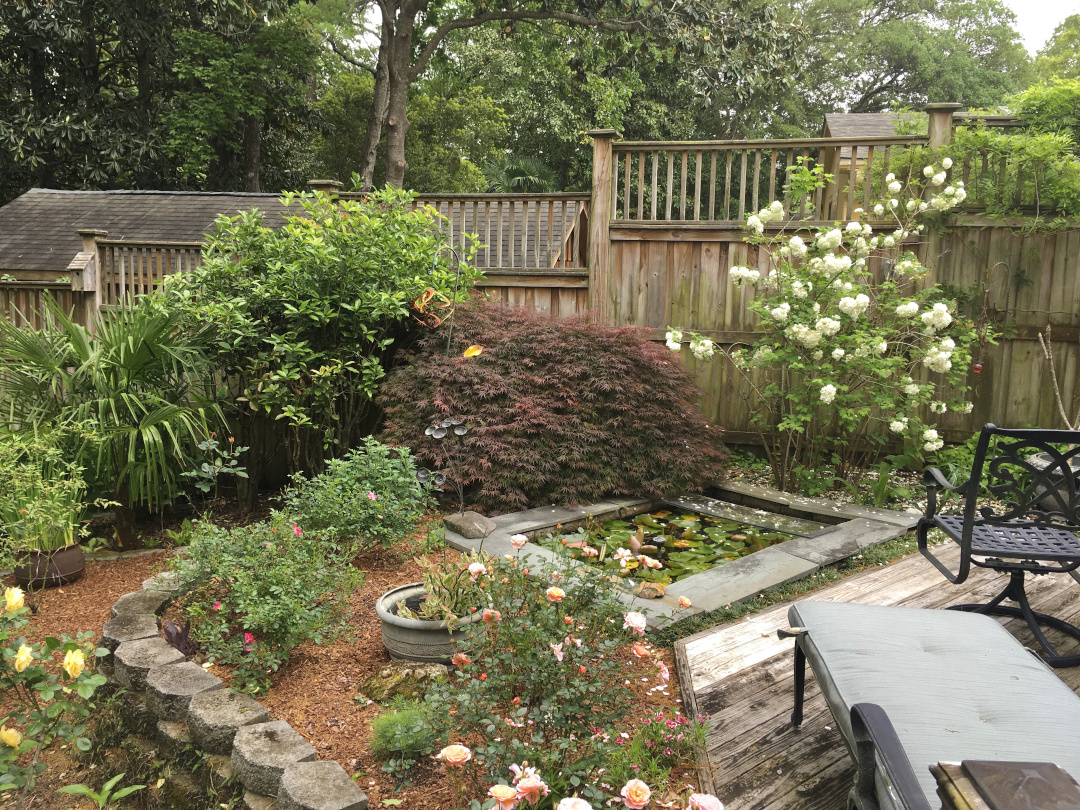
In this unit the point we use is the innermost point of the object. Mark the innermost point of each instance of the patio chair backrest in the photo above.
(1035, 473)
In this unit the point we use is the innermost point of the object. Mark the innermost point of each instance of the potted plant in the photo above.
(432, 620)
(41, 504)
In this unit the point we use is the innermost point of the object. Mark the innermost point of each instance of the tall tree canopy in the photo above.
(1060, 59)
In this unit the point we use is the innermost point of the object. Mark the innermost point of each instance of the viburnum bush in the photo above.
(555, 411)
(850, 358)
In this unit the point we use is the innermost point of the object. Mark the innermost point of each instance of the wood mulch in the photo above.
(316, 692)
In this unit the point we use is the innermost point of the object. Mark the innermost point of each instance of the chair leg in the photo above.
(800, 684)
(1016, 592)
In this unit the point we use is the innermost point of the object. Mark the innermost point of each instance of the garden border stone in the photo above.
(180, 701)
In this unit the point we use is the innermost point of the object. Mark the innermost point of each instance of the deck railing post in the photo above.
(940, 123)
(600, 211)
(86, 273)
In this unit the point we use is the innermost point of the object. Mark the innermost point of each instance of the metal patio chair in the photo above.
(1036, 475)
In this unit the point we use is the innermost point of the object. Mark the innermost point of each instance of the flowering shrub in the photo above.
(660, 741)
(45, 701)
(370, 497)
(557, 411)
(852, 354)
(453, 588)
(253, 593)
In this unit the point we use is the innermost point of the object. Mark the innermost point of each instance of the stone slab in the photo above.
(214, 718)
(842, 541)
(173, 736)
(820, 508)
(540, 518)
(319, 786)
(148, 601)
(742, 579)
(748, 515)
(253, 801)
(133, 660)
(469, 524)
(170, 688)
(262, 752)
(128, 627)
(165, 581)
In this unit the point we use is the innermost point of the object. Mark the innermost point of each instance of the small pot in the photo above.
(47, 569)
(425, 640)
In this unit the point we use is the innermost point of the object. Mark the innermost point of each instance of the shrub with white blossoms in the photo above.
(850, 358)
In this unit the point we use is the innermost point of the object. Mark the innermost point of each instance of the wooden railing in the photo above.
(128, 269)
(516, 231)
(724, 181)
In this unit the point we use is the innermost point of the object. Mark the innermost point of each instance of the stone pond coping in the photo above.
(188, 704)
(850, 528)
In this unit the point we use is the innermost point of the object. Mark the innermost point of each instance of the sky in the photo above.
(1037, 19)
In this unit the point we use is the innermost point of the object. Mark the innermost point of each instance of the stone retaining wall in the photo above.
(185, 703)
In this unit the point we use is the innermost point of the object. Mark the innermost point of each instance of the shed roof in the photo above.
(862, 125)
(38, 231)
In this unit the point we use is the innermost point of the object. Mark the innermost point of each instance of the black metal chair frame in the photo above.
(1036, 533)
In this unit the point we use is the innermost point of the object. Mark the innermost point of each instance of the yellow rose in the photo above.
(13, 599)
(74, 663)
(10, 736)
(23, 658)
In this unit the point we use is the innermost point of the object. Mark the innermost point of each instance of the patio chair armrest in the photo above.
(933, 480)
(876, 744)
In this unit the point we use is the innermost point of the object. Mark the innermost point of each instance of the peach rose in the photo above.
(636, 794)
(704, 801)
(518, 541)
(460, 660)
(640, 650)
(636, 622)
(531, 788)
(506, 798)
(555, 594)
(454, 755)
(491, 616)
(685, 603)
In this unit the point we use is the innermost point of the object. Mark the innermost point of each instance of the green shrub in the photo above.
(371, 496)
(556, 411)
(402, 733)
(253, 593)
(302, 321)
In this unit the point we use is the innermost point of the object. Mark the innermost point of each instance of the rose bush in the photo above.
(857, 349)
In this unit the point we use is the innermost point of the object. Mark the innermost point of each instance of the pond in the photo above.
(673, 542)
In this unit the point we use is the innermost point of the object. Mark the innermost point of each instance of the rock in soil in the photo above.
(407, 679)
(471, 525)
(650, 590)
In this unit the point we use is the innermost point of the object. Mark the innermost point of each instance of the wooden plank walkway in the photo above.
(742, 676)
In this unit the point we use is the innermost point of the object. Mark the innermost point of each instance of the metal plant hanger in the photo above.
(440, 430)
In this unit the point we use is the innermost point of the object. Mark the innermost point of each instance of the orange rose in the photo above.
(636, 794)
(506, 797)
(555, 594)
(454, 755)
(640, 650)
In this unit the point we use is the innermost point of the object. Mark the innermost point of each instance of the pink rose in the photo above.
(557, 649)
(296, 530)
(704, 801)
(636, 794)
(636, 622)
(518, 540)
(249, 642)
(531, 788)
(665, 676)
(217, 605)
(476, 569)
(491, 616)
(371, 496)
(574, 803)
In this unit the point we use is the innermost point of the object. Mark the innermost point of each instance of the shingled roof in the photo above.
(861, 125)
(38, 231)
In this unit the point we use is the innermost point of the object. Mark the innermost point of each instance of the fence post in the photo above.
(326, 186)
(599, 218)
(939, 126)
(86, 272)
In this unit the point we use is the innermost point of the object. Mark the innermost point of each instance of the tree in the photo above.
(1060, 59)
(743, 43)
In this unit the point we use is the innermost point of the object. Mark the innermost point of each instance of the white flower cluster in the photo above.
(702, 348)
(950, 197)
(743, 275)
(756, 222)
(969, 407)
(881, 348)
(936, 319)
(796, 247)
(907, 267)
(833, 264)
(853, 229)
(910, 387)
(803, 335)
(938, 358)
(854, 307)
(938, 406)
(674, 339)
(898, 424)
(932, 442)
(828, 326)
(780, 313)
(830, 240)
(908, 310)
(818, 355)
(800, 289)
(828, 393)
(837, 354)
(879, 210)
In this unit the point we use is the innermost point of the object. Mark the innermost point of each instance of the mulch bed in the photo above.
(316, 692)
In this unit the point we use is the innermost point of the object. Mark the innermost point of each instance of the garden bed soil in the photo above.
(316, 692)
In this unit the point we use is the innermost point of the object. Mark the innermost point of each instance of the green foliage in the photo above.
(556, 411)
(401, 737)
(302, 321)
(541, 681)
(519, 174)
(125, 396)
(44, 699)
(218, 461)
(253, 593)
(107, 797)
(660, 741)
(368, 498)
(452, 590)
(41, 493)
(1052, 107)
(1060, 58)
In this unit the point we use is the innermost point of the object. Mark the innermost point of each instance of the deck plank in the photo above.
(741, 675)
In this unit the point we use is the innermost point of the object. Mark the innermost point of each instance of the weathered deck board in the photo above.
(742, 676)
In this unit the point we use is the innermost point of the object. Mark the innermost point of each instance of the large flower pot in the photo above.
(1054, 481)
(424, 640)
(47, 569)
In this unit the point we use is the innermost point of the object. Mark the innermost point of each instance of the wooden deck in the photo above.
(742, 676)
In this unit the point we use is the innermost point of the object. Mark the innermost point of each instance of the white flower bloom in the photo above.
(776, 210)
(934, 446)
(938, 360)
(702, 348)
(888, 241)
(830, 240)
(828, 393)
(969, 407)
(866, 229)
(937, 318)
(923, 206)
(800, 290)
(854, 307)
(894, 187)
(893, 202)
(743, 275)
(928, 171)
(911, 389)
(899, 424)
(797, 246)
(674, 339)
(948, 191)
(947, 163)
(907, 310)
(881, 348)
(879, 209)
(827, 326)
(853, 228)
(938, 407)
(929, 435)
(911, 205)
(754, 223)
(835, 264)
(890, 177)
(804, 335)
(938, 179)
(780, 313)
(817, 308)
(862, 351)
(837, 354)
(818, 354)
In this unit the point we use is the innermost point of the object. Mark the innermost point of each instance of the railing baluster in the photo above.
(697, 186)
(641, 185)
(670, 184)
(852, 173)
(773, 154)
(742, 186)
(787, 168)
(727, 185)
(655, 166)
(682, 184)
(626, 187)
(757, 179)
(868, 173)
(712, 184)
(551, 232)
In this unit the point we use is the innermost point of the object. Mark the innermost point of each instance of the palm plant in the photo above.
(520, 174)
(128, 394)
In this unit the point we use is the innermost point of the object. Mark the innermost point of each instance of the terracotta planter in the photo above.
(424, 640)
(47, 569)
